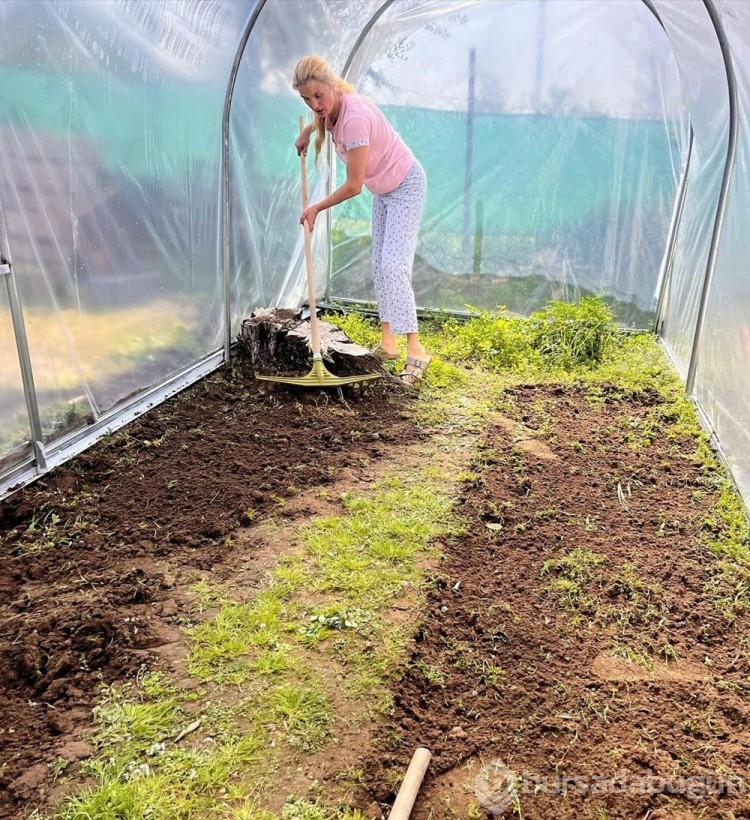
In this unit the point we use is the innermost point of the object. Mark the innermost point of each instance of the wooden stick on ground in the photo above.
(407, 794)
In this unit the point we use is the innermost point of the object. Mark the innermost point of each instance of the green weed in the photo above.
(305, 714)
(492, 339)
(571, 574)
(299, 809)
(570, 336)
(321, 623)
(632, 655)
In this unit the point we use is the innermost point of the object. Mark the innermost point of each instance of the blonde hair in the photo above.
(316, 68)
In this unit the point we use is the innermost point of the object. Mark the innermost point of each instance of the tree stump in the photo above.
(277, 343)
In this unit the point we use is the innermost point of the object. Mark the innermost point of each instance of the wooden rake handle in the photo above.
(314, 328)
(407, 794)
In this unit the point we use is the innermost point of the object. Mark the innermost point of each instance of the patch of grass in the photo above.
(539, 416)
(432, 674)
(370, 552)
(298, 809)
(616, 598)
(142, 771)
(728, 528)
(727, 535)
(42, 535)
(305, 715)
(274, 660)
(641, 431)
(226, 647)
(207, 595)
(492, 350)
(637, 363)
(339, 584)
(571, 573)
(361, 329)
(633, 601)
(147, 719)
(633, 655)
(492, 674)
(365, 331)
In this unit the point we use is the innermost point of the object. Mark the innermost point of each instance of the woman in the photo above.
(375, 156)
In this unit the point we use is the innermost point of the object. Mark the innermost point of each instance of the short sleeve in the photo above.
(355, 133)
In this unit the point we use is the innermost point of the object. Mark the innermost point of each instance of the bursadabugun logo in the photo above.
(496, 788)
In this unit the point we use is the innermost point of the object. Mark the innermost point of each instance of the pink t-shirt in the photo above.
(361, 122)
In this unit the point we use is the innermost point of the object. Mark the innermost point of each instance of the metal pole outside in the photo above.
(469, 152)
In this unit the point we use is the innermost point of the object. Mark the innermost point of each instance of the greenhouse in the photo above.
(149, 193)
(584, 158)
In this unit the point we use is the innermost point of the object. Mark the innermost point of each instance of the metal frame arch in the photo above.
(665, 270)
(225, 177)
(723, 192)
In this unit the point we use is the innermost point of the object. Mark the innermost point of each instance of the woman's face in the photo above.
(320, 97)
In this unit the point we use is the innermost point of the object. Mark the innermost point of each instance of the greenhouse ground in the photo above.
(581, 627)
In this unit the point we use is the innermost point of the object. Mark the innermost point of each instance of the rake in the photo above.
(319, 375)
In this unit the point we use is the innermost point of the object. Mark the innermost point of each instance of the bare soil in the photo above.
(627, 699)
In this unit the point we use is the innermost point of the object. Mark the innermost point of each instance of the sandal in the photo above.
(383, 354)
(414, 369)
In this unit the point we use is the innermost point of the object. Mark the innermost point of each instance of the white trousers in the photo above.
(395, 228)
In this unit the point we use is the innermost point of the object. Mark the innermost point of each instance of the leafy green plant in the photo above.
(321, 623)
(570, 336)
(360, 329)
(492, 339)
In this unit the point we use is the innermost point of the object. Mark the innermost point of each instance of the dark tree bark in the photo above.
(277, 342)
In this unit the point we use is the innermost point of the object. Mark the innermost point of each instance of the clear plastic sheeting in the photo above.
(110, 139)
(552, 135)
(705, 88)
(722, 385)
(267, 262)
(14, 421)
(150, 192)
